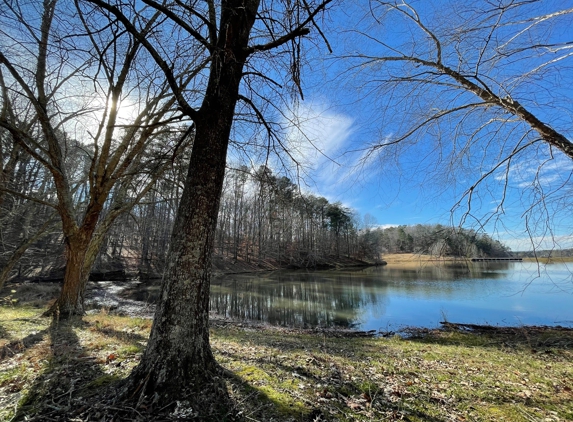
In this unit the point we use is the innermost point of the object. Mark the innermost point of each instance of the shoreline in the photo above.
(406, 332)
(226, 266)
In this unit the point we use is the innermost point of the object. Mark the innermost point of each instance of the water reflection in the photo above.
(389, 297)
(296, 299)
(378, 297)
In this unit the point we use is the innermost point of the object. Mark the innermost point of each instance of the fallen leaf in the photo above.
(354, 405)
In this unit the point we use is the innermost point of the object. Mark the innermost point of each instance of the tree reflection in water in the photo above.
(382, 297)
(333, 298)
(296, 299)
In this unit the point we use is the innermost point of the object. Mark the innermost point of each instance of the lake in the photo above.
(389, 298)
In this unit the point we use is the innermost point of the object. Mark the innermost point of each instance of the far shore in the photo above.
(414, 258)
(408, 259)
(128, 269)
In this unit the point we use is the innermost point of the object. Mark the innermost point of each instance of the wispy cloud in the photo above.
(316, 135)
(545, 180)
(533, 173)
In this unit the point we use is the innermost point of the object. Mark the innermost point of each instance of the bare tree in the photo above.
(240, 40)
(69, 76)
(480, 91)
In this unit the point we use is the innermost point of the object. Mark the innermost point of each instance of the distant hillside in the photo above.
(431, 239)
(547, 253)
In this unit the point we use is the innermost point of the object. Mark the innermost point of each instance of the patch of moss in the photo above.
(102, 381)
(278, 394)
(11, 375)
(130, 349)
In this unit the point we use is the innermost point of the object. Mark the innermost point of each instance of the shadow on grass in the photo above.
(19, 346)
(124, 336)
(257, 402)
(527, 337)
(4, 333)
(71, 374)
(254, 403)
(316, 390)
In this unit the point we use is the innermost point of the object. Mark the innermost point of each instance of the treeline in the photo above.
(263, 215)
(264, 220)
(436, 240)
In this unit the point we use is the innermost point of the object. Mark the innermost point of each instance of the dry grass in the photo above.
(294, 375)
(412, 259)
(415, 260)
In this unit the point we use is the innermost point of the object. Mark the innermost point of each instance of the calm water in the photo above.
(388, 298)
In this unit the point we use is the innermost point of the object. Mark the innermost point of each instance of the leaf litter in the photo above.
(455, 373)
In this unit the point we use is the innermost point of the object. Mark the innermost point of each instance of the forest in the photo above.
(264, 221)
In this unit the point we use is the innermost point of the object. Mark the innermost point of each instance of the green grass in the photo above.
(444, 374)
(294, 375)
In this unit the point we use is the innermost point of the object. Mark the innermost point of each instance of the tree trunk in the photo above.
(178, 362)
(178, 356)
(71, 299)
(81, 252)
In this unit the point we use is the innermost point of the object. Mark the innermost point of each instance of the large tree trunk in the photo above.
(178, 362)
(82, 249)
(178, 356)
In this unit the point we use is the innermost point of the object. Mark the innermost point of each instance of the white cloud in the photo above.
(529, 173)
(316, 135)
(386, 226)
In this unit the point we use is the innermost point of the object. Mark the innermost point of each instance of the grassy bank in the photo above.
(293, 375)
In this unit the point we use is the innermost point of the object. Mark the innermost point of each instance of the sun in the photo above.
(94, 113)
(127, 109)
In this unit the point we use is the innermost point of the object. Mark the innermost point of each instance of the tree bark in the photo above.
(70, 302)
(82, 245)
(178, 361)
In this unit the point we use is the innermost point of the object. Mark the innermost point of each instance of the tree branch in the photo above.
(181, 22)
(299, 31)
(166, 69)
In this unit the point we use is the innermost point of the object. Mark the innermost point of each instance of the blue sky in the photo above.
(347, 109)
(411, 185)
